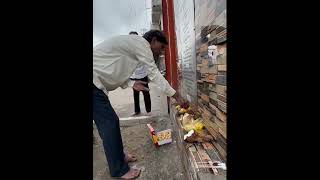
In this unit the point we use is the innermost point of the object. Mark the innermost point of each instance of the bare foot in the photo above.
(130, 158)
(131, 174)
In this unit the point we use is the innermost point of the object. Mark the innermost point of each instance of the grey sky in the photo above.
(115, 17)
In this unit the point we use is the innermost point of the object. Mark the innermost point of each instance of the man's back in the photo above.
(115, 59)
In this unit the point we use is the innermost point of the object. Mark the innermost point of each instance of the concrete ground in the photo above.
(160, 163)
(122, 101)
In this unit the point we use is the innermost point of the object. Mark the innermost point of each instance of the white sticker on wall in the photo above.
(188, 98)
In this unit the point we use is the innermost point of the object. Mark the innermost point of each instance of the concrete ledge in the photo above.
(133, 121)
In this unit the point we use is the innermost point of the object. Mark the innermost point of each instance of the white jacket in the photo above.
(115, 60)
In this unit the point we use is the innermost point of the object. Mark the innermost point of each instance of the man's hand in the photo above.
(139, 86)
(178, 98)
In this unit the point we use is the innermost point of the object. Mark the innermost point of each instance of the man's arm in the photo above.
(128, 83)
(143, 53)
(140, 48)
(137, 85)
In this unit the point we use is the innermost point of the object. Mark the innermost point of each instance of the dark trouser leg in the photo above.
(136, 98)
(146, 95)
(107, 123)
(147, 100)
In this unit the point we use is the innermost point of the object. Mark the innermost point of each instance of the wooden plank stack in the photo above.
(212, 85)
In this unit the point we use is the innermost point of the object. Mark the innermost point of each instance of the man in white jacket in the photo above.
(114, 61)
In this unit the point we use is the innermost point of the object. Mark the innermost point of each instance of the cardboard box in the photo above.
(164, 137)
(160, 138)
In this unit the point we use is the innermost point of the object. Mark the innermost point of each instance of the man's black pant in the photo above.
(146, 97)
(107, 123)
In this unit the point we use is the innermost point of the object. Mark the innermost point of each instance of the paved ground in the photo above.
(161, 163)
(122, 102)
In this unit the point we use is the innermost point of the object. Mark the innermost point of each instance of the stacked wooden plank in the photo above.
(210, 43)
(196, 156)
(212, 85)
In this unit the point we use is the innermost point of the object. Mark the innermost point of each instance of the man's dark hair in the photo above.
(133, 32)
(159, 35)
